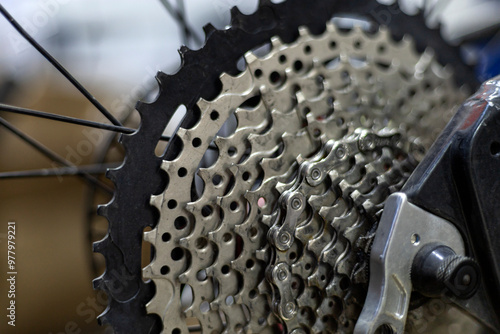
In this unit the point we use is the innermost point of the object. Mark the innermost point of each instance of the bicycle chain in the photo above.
(345, 188)
(129, 212)
(286, 104)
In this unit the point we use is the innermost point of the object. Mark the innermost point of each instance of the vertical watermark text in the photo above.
(11, 273)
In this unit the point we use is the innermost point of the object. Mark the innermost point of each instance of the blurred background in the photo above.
(114, 48)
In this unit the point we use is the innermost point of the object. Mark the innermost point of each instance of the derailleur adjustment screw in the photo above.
(296, 203)
(437, 269)
(315, 174)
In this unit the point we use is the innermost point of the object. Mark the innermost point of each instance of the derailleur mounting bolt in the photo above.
(437, 269)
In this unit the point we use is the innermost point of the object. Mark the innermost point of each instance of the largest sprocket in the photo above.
(141, 176)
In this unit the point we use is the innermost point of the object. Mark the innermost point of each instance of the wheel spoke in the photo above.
(180, 18)
(59, 171)
(66, 119)
(58, 66)
(71, 120)
(52, 155)
(184, 29)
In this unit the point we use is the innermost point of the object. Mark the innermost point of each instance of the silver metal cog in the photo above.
(290, 108)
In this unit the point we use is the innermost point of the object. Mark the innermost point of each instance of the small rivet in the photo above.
(282, 274)
(315, 174)
(340, 152)
(369, 143)
(296, 203)
(284, 237)
(290, 308)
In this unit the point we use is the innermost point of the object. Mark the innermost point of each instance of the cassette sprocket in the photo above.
(212, 196)
(296, 108)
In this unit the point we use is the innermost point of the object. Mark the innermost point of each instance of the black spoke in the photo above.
(58, 66)
(66, 119)
(51, 155)
(180, 18)
(59, 171)
(71, 120)
(185, 30)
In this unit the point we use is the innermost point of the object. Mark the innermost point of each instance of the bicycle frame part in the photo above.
(456, 185)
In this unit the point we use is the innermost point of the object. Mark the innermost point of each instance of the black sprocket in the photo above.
(140, 176)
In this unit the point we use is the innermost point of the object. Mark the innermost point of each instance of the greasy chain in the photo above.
(345, 186)
(274, 228)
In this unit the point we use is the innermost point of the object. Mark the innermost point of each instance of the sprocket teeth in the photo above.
(111, 174)
(276, 43)
(156, 305)
(235, 12)
(316, 202)
(165, 305)
(100, 246)
(163, 78)
(150, 236)
(97, 283)
(250, 57)
(156, 201)
(102, 319)
(281, 187)
(203, 104)
(147, 271)
(267, 220)
(357, 29)
(407, 43)
(240, 85)
(102, 210)
(331, 28)
(141, 106)
(208, 29)
(303, 31)
(183, 51)
(263, 254)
